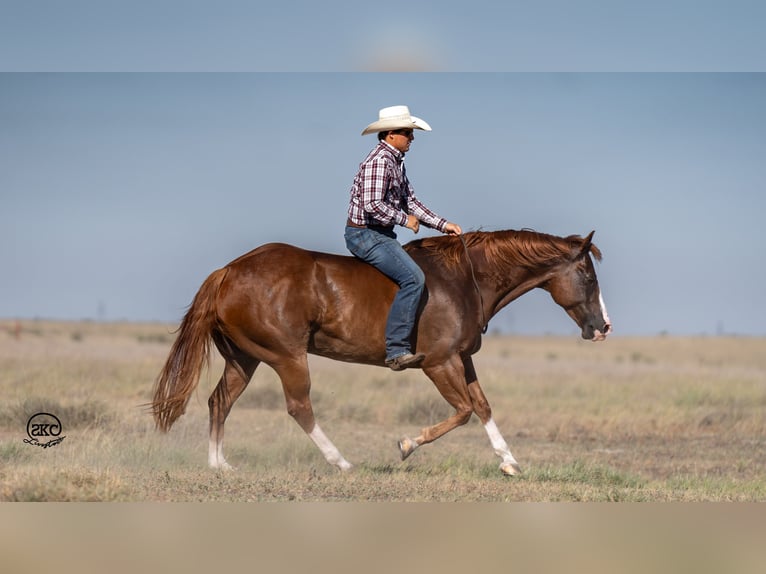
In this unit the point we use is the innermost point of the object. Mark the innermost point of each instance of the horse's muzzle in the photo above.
(601, 335)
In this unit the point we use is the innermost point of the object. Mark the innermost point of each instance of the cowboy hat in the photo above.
(396, 118)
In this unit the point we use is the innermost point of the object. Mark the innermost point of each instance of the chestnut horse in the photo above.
(278, 303)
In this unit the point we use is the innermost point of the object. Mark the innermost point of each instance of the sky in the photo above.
(144, 145)
(120, 193)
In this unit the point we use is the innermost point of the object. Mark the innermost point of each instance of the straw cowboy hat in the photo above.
(396, 118)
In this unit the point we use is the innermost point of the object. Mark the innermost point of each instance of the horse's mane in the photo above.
(526, 248)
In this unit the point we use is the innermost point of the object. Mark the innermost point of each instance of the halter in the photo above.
(484, 322)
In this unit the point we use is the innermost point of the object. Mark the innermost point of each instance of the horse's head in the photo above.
(575, 287)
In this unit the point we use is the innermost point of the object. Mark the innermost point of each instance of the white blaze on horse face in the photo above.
(330, 452)
(597, 334)
(603, 310)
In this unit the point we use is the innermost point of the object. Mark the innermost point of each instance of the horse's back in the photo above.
(283, 295)
(282, 262)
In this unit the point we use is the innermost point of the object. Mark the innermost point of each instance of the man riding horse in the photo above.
(382, 197)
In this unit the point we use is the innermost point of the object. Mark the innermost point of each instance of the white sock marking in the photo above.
(330, 452)
(212, 454)
(498, 442)
(215, 457)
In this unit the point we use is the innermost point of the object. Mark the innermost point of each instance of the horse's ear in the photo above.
(587, 246)
(586, 243)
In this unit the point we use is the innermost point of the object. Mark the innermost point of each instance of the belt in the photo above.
(352, 224)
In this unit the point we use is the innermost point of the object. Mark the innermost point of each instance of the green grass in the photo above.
(579, 472)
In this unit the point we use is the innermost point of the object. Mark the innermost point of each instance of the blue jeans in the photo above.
(380, 248)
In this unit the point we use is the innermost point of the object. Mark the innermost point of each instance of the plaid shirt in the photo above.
(382, 194)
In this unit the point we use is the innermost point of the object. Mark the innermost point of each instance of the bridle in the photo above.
(484, 322)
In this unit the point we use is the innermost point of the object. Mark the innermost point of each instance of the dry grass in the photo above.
(632, 419)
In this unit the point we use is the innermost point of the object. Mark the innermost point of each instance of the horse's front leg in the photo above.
(481, 407)
(449, 379)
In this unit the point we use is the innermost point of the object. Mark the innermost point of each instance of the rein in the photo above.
(484, 322)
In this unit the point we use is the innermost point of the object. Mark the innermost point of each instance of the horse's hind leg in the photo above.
(481, 407)
(234, 380)
(297, 386)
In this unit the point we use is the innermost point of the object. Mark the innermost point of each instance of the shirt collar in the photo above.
(398, 156)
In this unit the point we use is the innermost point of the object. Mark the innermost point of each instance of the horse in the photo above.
(278, 303)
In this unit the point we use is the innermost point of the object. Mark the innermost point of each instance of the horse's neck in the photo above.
(524, 282)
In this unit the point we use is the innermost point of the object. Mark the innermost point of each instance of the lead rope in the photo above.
(484, 322)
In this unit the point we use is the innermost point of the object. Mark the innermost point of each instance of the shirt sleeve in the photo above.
(425, 215)
(373, 193)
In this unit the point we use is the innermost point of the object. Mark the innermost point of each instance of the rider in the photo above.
(382, 197)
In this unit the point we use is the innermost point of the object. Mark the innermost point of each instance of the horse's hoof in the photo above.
(406, 446)
(510, 469)
(345, 466)
(223, 467)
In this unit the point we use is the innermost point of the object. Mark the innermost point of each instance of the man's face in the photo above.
(401, 139)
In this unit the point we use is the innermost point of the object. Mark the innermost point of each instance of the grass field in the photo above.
(631, 419)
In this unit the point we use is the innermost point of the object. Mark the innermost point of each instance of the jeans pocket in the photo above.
(358, 241)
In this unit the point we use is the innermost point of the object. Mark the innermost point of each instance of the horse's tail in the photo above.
(189, 354)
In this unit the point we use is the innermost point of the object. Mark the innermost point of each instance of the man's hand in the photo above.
(452, 229)
(413, 223)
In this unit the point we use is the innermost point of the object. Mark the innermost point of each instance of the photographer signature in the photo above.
(35, 442)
